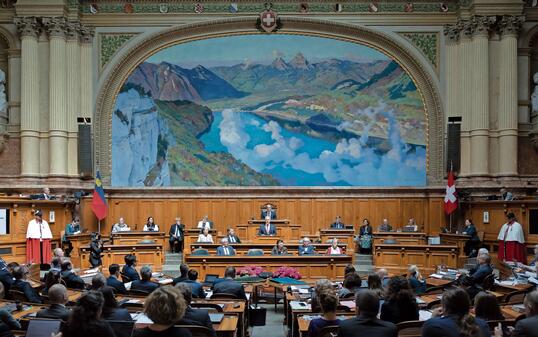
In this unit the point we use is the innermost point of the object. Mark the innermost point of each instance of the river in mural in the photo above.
(269, 110)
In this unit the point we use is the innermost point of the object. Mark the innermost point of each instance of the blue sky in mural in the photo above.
(269, 110)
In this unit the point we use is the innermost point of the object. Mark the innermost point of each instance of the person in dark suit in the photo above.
(20, 274)
(183, 270)
(528, 327)
(268, 211)
(129, 268)
(475, 280)
(57, 299)
(196, 288)
(365, 237)
(225, 249)
(145, 283)
(267, 228)
(366, 323)
(6, 276)
(306, 248)
(385, 226)
(338, 224)
(279, 248)
(232, 238)
(456, 317)
(86, 319)
(474, 240)
(96, 248)
(45, 195)
(71, 279)
(194, 316)
(177, 235)
(229, 285)
(111, 310)
(113, 280)
(400, 304)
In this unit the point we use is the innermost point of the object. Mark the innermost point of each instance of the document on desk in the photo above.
(298, 305)
(424, 315)
(439, 276)
(128, 285)
(141, 318)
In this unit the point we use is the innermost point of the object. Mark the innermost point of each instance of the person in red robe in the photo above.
(38, 238)
(512, 241)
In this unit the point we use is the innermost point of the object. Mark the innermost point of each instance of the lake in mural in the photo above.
(269, 110)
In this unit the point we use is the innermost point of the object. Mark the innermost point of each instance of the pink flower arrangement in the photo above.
(287, 272)
(249, 271)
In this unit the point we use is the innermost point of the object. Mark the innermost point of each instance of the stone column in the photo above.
(480, 26)
(453, 85)
(508, 104)
(86, 74)
(73, 96)
(29, 29)
(465, 99)
(57, 96)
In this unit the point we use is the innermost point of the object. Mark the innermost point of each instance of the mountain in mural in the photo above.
(170, 82)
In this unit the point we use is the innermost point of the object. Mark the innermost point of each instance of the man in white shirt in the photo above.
(121, 226)
(225, 249)
(205, 222)
(38, 240)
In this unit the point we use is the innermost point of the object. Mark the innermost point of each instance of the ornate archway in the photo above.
(122, 66)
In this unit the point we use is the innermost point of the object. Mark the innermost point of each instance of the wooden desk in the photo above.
(459, 240)
(396, 258)
(285, 231)
(343, 235)
(226, 328)
(405, 238)
(510, 313)
(435, 282)
(135, 237)
(242, 248)
(191, 236)
(151, 254)
(303, 324)
(309, 266)
(77, 241)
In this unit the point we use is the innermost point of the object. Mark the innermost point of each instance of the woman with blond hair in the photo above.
(415, 280)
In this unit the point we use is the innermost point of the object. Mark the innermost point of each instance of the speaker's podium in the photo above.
(284, 230)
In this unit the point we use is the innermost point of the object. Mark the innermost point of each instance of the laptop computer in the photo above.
(43, 327)
(216, 317)
(209, 280)
(122, 328)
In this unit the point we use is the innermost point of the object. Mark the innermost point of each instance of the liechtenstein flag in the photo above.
(99, 202)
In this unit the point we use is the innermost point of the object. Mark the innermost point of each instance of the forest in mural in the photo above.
(269, 110)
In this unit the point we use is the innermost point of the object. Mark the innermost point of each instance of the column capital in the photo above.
(28, 26)
(452, 32)
(510, 24)
(86, 34)
(55, 26)
(482, 25)
(72, 30)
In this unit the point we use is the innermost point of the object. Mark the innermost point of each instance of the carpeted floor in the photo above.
(274, 326)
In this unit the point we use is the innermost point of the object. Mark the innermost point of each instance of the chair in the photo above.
(515, 297)
(200, 252)
(197, 331)
(255, 252)
(328, 331)
(488, 282)
(223, 296)
(409, 328)
(17, 295)
(434, 290)
(209, 306)
(137, 292)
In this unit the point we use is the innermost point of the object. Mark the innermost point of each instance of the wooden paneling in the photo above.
(397, 258)
(312, 214)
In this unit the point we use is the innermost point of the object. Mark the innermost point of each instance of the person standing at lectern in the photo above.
(472, 243)
(205, 222)
(96, 248)
(338, 224)
(38, 236)
(512, 241)
(150, 225)
(121, 226)
(177, 235)
(268, 211)
(268, 228)
(365, 237)
(385, 226)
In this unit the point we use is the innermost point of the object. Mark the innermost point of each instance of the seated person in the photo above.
(328, 302)
(384, 277)
(194, 316)
(306, 248)
(205, 223)
(320, 287)
(86, 319)
(8, 323)
(268, 228)
(44, 195)
(164, 307)
(121, 226)
(474, 240)
(400, 303)
(111, 310)
(529, 325)
(352, 284)
(58, 252)
(56, 264)
(150, 226)
(98, 282)
(69, 277)
(72, 228)
(129, 269)
(385, 226)
(145, 283)
(532, 265)
(113, 280)
(415, 280)
(6, 275)
(205, 236)
(334, 249)
(411, 225)
(475, 280)
(58, 299)
(279, 248)
(486, 307)
(225, 249)
(375, 285)
(21, 284)
(52, 277)
(183, 271)
(232, 238)
(338, 224)
(505, 195)
(196, 287)
(268, 211)
(229, 285)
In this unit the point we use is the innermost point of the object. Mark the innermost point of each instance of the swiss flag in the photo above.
(451, 199)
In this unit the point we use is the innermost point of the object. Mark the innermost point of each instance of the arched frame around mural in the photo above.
(127, 60)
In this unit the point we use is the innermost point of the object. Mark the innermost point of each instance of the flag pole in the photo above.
(99, 227)
(450, 215)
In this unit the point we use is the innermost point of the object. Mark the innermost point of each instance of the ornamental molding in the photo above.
(28, 26)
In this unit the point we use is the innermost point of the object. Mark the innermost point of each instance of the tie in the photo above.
(225, 250)
(267, 229)
(232, 239)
